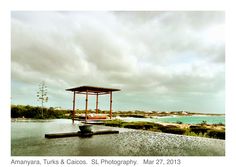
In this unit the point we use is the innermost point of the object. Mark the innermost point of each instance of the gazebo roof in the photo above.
(93, 89)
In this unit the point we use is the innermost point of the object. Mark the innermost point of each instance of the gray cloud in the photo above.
(159, 54)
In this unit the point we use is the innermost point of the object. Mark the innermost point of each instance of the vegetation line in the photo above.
(202, 130)
(21, 111)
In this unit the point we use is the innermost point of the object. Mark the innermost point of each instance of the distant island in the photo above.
(27, 111)
(151, 114)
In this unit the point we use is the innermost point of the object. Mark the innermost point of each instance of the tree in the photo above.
(42, 94)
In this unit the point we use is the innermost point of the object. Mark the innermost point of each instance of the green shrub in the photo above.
(219, 124)
(219, 134)
(198, 129)
(172, 129)
(133, 126)
(19, 111)
(158, 126)
(114, 123)
(168, 127)
(148, 126)
(189, 133)
(138, 125)
(203, 123)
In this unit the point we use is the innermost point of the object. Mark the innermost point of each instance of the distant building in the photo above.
(184, 113)
(57, 108)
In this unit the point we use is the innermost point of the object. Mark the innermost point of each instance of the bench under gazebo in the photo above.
(91, 90)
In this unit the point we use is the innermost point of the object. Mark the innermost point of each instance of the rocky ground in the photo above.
(146, 143)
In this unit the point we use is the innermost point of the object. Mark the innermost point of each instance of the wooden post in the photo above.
(73, 112)
(86, 106)
(97, 103)
(110, 104)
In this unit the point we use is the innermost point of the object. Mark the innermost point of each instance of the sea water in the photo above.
(194, 119)
(184, 119)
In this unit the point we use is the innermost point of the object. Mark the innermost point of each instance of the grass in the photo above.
(114, 123)
(190, 133)
(199, 129)
(173, 129)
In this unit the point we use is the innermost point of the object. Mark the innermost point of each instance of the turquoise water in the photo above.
(183, 119)
(194, 119)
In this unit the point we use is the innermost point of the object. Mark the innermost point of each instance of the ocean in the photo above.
(184, 119)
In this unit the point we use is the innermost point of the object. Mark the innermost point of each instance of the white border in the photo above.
(121, 5)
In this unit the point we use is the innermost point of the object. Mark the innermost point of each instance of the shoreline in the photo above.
(216, 131)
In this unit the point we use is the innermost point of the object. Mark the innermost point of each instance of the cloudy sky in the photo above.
(161, 61)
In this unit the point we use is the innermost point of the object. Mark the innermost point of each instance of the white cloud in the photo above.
(162, 53)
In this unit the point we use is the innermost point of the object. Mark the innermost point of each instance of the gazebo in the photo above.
(91, 90)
